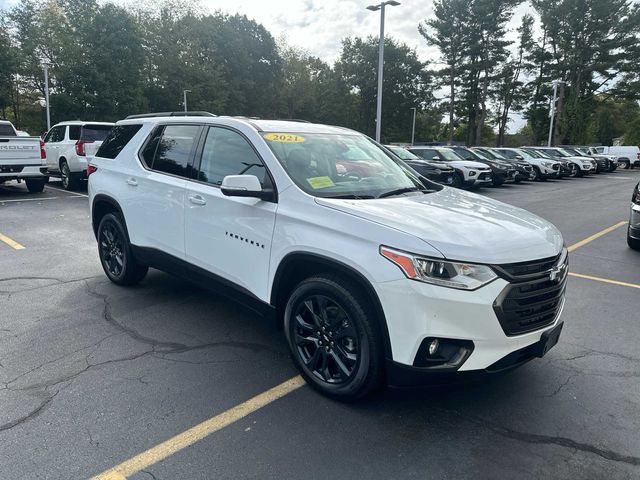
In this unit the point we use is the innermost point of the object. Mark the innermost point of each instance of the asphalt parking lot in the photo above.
(97, 378)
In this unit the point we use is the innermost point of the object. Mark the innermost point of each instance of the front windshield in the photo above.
(340, 165)
(557, 152)
(494, 154)
(485, 155)
(449, 155)
(467, 154)
(403, 153)
(536, 153)
(572, 151)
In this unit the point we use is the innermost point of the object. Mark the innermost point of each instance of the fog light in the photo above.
(433, 347)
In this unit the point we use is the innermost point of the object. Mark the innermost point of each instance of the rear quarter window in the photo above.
(74, 132)
(116, 140)
(7, 130)
(95, 133)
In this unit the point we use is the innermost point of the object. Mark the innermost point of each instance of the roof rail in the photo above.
(171, 114)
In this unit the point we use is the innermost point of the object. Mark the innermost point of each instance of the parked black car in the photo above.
(524, 171)
(440, 174)
(501, 171)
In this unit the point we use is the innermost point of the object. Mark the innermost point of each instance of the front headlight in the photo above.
(635, 198)
(547, 164)
(463, 276)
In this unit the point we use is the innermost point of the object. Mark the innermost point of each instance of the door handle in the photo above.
(132, 181)
(197, 200)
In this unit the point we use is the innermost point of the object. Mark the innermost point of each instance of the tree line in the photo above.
(108, 61)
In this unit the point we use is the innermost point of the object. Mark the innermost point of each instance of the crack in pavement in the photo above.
(533, 438)
(57, 281)
(562, 385)
(34, 413)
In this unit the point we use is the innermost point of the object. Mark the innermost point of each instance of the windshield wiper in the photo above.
(399, 191)
(351, 196)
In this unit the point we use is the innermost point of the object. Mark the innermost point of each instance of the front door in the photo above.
(229, 236)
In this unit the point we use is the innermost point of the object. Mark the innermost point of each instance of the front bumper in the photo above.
(400, 375)
(416, 311)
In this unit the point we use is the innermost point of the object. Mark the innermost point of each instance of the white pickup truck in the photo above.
(21, 158)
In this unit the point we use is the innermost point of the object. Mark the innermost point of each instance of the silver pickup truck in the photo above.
(21, 158)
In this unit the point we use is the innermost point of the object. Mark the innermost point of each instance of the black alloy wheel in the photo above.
(112, 250)
(117, 260)
(334, 338)
(326, 339)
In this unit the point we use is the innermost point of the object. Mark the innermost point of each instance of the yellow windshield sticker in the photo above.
(320, 182)
(284, 138)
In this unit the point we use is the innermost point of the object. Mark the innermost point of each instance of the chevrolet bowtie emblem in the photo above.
(554, 273)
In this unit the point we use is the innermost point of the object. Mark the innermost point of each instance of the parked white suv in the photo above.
(468, 173)
(376, 277)
(69, 145)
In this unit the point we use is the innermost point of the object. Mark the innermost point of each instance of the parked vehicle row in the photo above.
(483, 166)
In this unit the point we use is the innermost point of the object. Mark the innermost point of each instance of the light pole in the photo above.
(413, 129)
(552, 112)
(184, 102)
(375, 8)
(46, 66)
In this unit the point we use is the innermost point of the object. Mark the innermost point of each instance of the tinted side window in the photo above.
(117, 139)
(95, 133)
(225, 153)
(49, 135)
(58, 134)
(174, 150)
(74, 132)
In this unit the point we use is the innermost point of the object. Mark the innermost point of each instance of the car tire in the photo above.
(624, 163)
(69, 180)
(538, 177)
(632, 242)
(333, 336)
(35, 185)
(458, 181)
(114, 249)
(573, 170)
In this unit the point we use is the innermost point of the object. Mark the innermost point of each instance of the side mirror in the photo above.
(519, 157)
(245, 186)
(435, 159)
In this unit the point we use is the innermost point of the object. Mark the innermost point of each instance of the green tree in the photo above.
(406, 84)
(448, 32)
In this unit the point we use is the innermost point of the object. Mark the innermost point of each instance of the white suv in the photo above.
(376, 277)
(68, 145)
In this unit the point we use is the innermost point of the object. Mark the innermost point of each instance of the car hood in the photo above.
(468, 164)
(461, 225)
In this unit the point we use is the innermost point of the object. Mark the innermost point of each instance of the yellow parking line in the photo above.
(12, 243)
(198, 432)
(605, 280)
(595, 236)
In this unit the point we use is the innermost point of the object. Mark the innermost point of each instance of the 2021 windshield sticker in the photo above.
(284, 138)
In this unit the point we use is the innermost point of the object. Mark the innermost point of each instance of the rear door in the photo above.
(53, 141)
(155, 194)
(229, 236)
